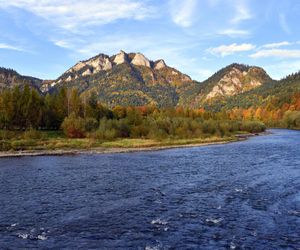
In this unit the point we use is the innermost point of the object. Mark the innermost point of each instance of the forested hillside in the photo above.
(10, 78)
(276, 103)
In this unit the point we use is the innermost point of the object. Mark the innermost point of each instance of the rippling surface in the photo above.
(243, 195)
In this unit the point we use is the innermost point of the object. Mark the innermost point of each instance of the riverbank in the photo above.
(118, 146)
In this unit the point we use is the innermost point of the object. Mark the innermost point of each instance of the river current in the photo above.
(243, 195)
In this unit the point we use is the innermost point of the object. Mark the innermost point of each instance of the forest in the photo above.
(277, 104)
(26, 114)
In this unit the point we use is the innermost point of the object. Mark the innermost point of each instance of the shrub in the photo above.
(209, 127)
(73, 127)
(32, 134)
(7, 134)
(292, 119)
(91, 124)
(5, 145)
(253, 126)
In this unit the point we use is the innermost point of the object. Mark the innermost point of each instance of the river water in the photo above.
(243, 195)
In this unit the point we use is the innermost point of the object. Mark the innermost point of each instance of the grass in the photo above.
(137, 143)
(55, 140)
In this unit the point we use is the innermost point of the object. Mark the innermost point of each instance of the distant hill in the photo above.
(276, 93)
(10, 78)
(230, 81)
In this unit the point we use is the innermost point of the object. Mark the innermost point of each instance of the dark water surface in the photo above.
(243, 195)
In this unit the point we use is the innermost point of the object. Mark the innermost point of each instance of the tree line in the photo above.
(83, 116)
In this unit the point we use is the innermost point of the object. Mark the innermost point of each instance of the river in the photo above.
(243, 195)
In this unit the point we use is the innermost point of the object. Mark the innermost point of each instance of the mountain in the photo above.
(128, 79)
(273, 95)
(132, 79)
(10, 78)
(232, 80)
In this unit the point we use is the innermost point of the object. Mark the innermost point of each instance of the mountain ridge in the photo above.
(131, 79)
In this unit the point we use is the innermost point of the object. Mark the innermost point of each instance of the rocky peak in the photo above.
(236, 79)
(140, 60)
(83, 69)
(120, 58)
(77, 67)
(97, 63)
(100, 62)
(160, 64)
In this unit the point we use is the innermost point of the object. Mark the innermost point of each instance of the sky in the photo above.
(43, 38)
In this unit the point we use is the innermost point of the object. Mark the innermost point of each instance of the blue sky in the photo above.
(43, 38)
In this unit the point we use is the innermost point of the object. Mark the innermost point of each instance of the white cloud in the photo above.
(277, 45)
(225, 50)
(234, 32)
(73, 15)
(10, 47)
(63, 44)
(242, 12)
(280, 53)
(182, 12)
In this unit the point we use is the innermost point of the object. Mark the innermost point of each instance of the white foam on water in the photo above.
(294, 212)
(42, 237)
(159, 222)
(14, 224)
(239, 190)
(215, 221)
(232, 245)
(23, 236)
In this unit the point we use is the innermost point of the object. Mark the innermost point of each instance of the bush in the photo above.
(91, 124)
(253, 126)
(32, 134)
(5, 145)
(7, 134)
(292, 119)
(209, 127)
(108, 134)
(74, 127)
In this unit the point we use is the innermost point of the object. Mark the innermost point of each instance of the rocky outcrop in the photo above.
(186, 78)
(77, 67)
(120, 58)
(160, 64)
(107, 64)
(97, 63)
(100, 62)
(87, 72)
(103, 62)
(140, 60)
(236, 80)
(69, 78)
